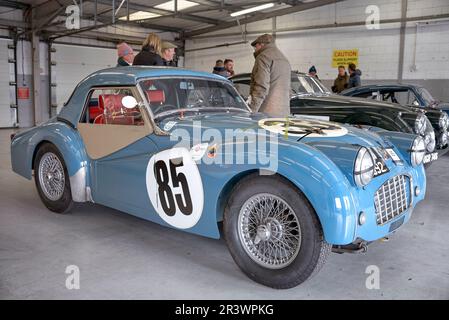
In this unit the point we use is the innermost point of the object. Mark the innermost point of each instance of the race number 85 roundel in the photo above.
(175, 188)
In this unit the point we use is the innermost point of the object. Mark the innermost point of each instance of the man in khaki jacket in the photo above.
(270, 79)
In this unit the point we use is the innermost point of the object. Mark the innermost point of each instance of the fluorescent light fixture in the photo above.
(249, 10)
(140, 15)
(170, 5)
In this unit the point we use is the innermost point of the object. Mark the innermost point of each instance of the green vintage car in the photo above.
(311, 98)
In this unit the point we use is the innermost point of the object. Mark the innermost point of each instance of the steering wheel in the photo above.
(163, 107)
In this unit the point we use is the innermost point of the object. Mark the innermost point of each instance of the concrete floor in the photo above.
(123, 257)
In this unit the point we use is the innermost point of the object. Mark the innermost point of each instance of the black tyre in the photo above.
(52, 180)
(273, 233)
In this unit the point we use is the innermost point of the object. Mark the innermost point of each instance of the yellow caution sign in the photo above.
(345, 57)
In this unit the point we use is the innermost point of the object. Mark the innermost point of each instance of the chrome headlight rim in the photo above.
(430, 141)
(420, 124)
(363, 167)
(444, 139)
(417, 151)
(443, 121)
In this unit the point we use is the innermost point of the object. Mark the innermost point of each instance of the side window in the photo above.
(105, 107)
(412, 98)
(243, 89)
(403, 97)
(367, 95)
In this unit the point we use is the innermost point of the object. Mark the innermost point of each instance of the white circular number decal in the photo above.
(300, 127)
(175, 188)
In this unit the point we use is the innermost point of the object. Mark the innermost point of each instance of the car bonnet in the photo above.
(292, 130)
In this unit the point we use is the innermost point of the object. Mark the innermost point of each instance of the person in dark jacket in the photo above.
(341, 82)
(151, 52)
(229, 66)
(220, 69)
(125, 55)
(312, 72)
(354, 76)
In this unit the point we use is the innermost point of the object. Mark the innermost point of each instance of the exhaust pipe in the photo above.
(360, 247)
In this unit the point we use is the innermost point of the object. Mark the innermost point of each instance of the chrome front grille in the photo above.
(392, 199)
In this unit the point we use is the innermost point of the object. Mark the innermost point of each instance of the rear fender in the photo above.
(69, 143)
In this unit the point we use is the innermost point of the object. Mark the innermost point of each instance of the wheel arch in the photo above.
(36, 149)
(230, 185)
(227, 190)
(73, 154)
(338, 224)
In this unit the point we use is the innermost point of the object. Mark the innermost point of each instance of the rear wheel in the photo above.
(273, 233)
(52, 180)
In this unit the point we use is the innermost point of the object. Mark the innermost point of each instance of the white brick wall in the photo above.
(378, 49)
(431, 52)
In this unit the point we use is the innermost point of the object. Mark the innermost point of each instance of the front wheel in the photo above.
(273, 233)
(52, 180)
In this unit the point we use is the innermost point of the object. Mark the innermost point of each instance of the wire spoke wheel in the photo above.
(51, 176)
(269, 231)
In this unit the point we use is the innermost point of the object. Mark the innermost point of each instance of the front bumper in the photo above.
(443, 151)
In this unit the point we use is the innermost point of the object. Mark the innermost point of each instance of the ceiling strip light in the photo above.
(249, 10)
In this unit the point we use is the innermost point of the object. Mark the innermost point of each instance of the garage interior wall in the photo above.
(426, 51)
(7, 114)
(74, 63)
(75, 58)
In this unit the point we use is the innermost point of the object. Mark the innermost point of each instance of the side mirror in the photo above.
(129, 102)
(416, 103)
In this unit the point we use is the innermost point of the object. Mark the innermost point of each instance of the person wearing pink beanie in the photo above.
(125, 54)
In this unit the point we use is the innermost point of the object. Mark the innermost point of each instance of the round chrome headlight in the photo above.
(429, 141)
(363, 167)
(417, 151)
(443, 122)
(420, 124)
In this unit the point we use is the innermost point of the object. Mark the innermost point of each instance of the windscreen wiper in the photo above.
(161, 116)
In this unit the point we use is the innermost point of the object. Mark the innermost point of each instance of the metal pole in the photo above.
(402, 40)
(81, 9)
(95, 14)
(113, 11)
(127, 10)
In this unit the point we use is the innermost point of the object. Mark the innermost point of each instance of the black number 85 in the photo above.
(165, 192)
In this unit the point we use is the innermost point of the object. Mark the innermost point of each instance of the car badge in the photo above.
(212, 151)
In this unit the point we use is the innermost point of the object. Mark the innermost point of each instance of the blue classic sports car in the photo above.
(181, 148)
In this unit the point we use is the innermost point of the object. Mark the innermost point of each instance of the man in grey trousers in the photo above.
(270, 79)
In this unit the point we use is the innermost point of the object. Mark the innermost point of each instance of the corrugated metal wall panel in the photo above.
(74, 63)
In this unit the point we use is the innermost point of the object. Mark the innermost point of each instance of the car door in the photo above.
(117, 143)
